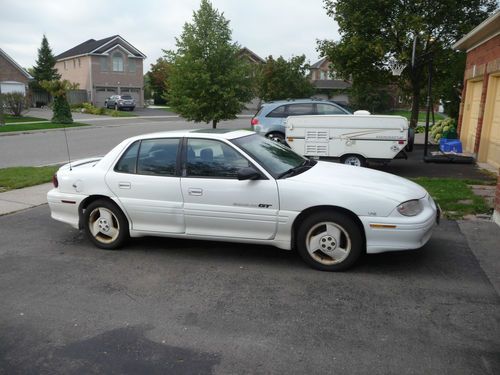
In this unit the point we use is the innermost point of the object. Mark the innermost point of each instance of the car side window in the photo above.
(158, 157)
(210, 158)
(329, 109)
(277, 112)
(127, 162)
(300, 109)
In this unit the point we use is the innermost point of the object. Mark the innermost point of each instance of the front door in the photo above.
(216, 203)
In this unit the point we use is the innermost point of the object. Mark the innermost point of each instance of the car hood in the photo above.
(361, 180)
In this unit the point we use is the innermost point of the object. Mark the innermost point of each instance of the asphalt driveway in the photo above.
(184, 307)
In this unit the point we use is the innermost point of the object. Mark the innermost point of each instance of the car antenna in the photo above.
(67, 147)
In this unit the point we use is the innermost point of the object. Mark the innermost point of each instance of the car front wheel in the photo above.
(329, 241)
(105, 225)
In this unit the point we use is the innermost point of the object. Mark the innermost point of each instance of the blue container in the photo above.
(450, 145)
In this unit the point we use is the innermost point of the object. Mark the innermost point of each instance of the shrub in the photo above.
(89, 108)
(446, 128)
(15, 103)
(62, 111)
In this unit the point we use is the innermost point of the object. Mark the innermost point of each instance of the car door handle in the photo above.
(195, 191)
(124, 185)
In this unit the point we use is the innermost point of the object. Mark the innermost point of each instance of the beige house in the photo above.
(103, 68)
(13, 78)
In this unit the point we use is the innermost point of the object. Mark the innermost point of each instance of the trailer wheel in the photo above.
(353, 159)
(411, 140)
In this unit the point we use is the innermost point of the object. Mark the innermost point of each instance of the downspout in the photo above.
(91, 83)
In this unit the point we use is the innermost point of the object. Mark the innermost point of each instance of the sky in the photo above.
(267, 27)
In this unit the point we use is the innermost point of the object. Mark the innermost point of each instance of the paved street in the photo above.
(49, 147)
(184, 307)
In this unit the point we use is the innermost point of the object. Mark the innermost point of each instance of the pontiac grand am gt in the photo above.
(238, 186)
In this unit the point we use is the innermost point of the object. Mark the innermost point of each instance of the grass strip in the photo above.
(11, 119)
(20, 177)
(455, 197)
(41, 126)
(421, 115)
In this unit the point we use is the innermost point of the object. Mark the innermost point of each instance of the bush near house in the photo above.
(15, 103)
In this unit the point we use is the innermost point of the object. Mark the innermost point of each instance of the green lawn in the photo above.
(455, 196)
(41, 126)
(10, 119)
(20, 177)
(112, 112)
(421, 116)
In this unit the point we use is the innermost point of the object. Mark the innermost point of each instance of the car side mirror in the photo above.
(248, 173)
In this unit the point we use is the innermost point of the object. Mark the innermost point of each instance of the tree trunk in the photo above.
(415, 106)
(214, 124)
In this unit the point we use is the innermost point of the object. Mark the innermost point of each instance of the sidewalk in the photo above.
(21, 199)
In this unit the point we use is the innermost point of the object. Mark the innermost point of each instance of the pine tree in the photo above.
(208, 80)
(44, 69)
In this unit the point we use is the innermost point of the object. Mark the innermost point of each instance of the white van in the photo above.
(352, 138)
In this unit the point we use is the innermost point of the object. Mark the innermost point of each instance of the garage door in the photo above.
(471, 115)
(7, 87)
(134, 93)
(101, 93)
(489, 149)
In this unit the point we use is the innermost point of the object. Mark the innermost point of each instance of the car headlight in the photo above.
(410, 208)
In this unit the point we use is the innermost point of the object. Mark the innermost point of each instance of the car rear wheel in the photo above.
(105, 225)
(329, 241)
(353, 159)
(277, 137)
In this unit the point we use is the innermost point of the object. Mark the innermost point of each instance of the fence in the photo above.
(42, 98)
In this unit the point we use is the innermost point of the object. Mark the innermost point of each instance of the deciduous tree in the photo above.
(282, 79)
(375, 31)
(208, 81)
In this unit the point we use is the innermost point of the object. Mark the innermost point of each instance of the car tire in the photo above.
(105, 225)
(411, 140)
(329, 241)
(277, 137)
(353, 159)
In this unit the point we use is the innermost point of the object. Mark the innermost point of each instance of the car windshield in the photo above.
(276, 158)
(126, 97)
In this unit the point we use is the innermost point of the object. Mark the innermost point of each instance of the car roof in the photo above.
(196, 133)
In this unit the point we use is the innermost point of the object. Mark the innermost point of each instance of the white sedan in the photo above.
(238, 186)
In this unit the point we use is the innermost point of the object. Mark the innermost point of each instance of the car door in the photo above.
(216, 203)
(147, 183)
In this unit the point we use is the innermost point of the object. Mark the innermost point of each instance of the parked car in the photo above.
(270, 119)
(120, 102)
(240, 187)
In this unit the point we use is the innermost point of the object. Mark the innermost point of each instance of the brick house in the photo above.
(479, 119)
(13, 78)
(103, 68)
(325, 83)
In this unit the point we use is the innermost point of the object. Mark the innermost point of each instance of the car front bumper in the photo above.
(401, 233)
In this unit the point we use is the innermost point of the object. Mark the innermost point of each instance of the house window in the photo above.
(74, 63)
(79, 63)
(131, 65)
(117, 62)
(65, 66)
(104, 63)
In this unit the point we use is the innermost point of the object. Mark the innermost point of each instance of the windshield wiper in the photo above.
(308, 163)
